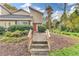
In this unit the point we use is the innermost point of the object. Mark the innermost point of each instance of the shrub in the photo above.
(24, 32)
(13, 39)
(8, 34)
(2, 30)
(16, 34)
(41, 28)
(19, 27)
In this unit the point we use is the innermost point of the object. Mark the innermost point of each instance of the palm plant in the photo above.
(49, 13)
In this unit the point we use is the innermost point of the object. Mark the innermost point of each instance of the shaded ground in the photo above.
(14, 49)
(59, 41)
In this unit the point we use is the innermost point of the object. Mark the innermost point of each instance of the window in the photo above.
(25, 22)
(22, 22)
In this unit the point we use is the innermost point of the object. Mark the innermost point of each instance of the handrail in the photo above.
(30, 35)
(48, 39)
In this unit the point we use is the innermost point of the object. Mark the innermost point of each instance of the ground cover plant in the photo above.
(70, 51)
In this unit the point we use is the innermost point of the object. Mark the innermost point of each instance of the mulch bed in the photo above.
(14, 49)
(60, 41)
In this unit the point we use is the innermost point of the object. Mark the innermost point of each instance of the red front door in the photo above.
(34, 27)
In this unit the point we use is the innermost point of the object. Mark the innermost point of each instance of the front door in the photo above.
(34, 27)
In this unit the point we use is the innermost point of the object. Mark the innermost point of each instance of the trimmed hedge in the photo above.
(19, 27)
(2, 30)
(41, 28)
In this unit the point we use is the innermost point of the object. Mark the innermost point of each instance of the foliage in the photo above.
(41, 28)
(24, 32)
(49, 11)
(19, 27)
(65, 33)
(10, 7)
(70, 51)
(16, 33)
(8, 34)
(2, 30)
(70, 23)
(13, 39)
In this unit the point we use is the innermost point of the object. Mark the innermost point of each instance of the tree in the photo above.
(64, 18)
(49, 12)
(74, 19)
(11, 8)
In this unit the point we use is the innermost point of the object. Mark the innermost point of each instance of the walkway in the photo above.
(39, 45)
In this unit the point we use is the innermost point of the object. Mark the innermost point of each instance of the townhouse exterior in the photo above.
(20, 16)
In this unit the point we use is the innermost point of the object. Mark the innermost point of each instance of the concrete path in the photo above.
(39, 45)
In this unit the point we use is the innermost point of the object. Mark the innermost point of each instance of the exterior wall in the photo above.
(6, 24)
(37, 17)
(22, 22)
(21, 13)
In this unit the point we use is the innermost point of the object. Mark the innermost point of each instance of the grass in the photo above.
(70, 34)
(70, 51)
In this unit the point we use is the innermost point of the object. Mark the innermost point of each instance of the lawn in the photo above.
(70, 34)
(71, 51)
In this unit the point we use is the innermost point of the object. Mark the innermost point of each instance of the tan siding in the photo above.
(6, 24)
(21, 13)
(37, 17)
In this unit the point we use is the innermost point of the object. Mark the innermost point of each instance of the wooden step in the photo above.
(39, 47)
(36, 50)
(39, 53)
(39, 42)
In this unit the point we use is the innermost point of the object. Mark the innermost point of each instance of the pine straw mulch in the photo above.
(60, 41)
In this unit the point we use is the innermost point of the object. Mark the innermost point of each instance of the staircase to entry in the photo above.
(39, 46)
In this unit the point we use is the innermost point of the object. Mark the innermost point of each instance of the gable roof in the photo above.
(35, 10)
(21, 10)
(5, 8)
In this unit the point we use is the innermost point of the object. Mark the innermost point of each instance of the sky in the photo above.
(57, 7)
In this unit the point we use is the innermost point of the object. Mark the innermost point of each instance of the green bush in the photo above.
(19, 27)
(16, 34)
(13, 39)
(8, 34)
(2, 30)
(24, 32)
(41, 28)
